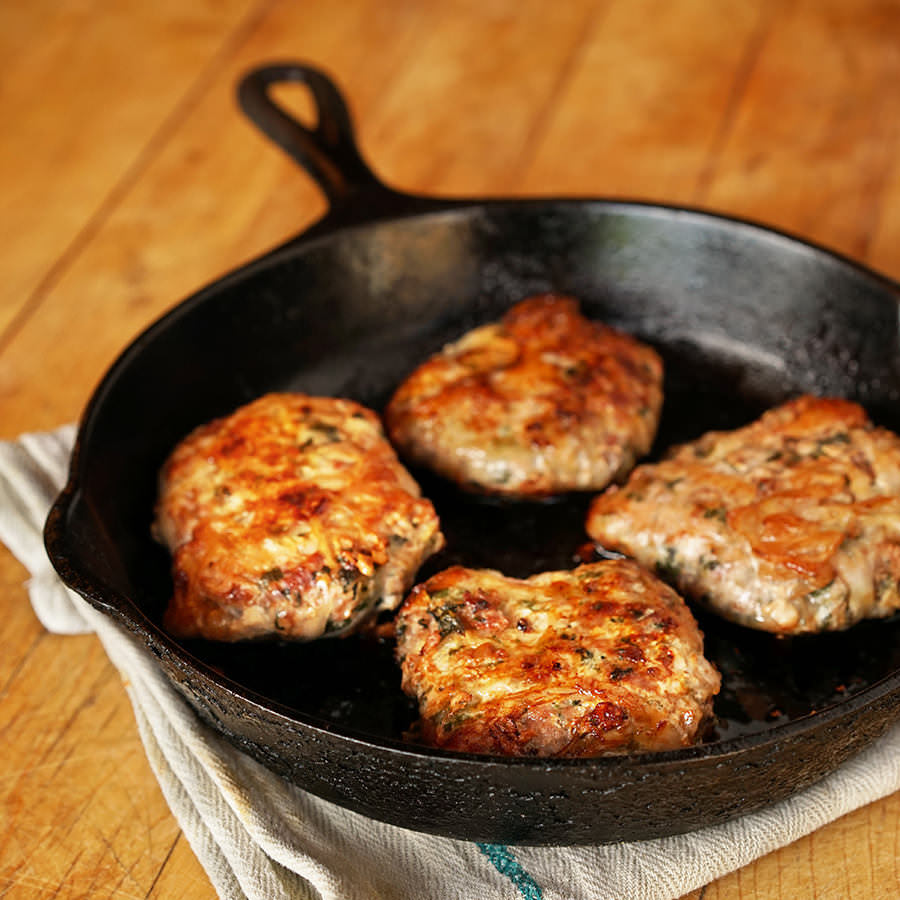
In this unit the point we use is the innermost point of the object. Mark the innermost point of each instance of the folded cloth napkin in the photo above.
(259, 837)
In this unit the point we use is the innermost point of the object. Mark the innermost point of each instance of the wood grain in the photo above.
(129, 179)
(70, 82)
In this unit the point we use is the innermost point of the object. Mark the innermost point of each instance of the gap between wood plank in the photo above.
(550, 107)
(739, 83)
(163, 865)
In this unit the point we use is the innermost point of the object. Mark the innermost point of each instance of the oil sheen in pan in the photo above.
(767, 679)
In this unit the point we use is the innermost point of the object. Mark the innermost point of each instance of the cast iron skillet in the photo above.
(744, 318)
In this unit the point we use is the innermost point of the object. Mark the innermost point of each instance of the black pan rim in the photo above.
(126, 612)
(326, 228)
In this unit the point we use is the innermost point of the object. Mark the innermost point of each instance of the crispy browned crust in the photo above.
(543, 401)
(290, 518)
(790, 524)
(600, 660)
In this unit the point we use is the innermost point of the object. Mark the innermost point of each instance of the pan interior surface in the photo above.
(744, 318)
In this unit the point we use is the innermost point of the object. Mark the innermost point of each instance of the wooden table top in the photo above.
(128, 179)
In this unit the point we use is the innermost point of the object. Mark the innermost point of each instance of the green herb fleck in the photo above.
(668, 568)
(818, 593)
(270, 575)
(348, 576)
(447, 620)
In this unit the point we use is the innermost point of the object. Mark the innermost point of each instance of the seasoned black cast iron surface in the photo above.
(743, 317)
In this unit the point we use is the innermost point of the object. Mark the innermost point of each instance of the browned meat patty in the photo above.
(293, 518)
(790, 524)
(541, 402)
(603, 659)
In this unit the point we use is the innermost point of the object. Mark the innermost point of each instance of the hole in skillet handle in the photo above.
(328, 151)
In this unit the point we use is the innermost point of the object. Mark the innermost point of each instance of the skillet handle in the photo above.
(328, 151)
